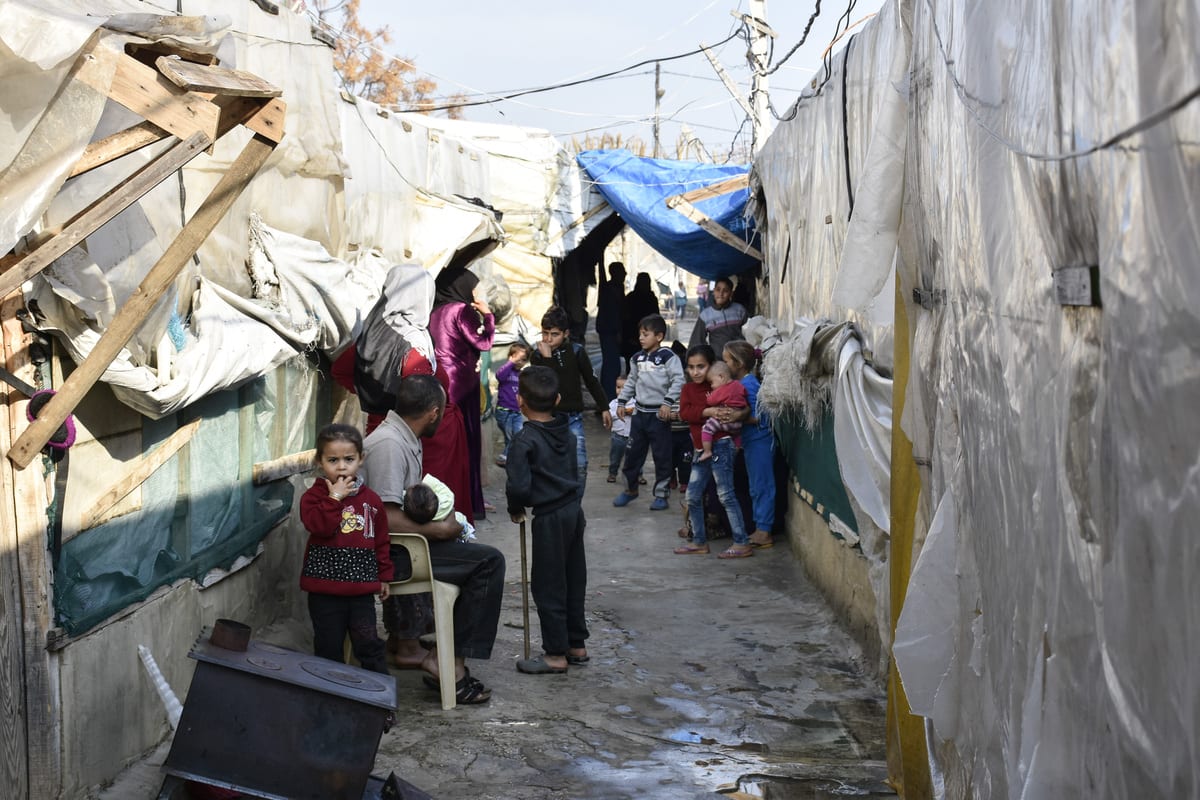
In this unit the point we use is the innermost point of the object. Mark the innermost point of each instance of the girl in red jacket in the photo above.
(347, 560)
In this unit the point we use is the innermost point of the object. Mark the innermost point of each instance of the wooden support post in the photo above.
(91, 218)
(30, 753)
(134, 311)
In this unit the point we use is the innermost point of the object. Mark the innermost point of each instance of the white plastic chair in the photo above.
(444, 594)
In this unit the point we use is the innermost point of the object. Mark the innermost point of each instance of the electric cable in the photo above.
(567, 84)
(1145, 123)
(803, 39)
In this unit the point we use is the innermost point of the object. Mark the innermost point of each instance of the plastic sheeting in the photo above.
(638, 189)
(831, 176)
(1051, 634)
(1047, 135)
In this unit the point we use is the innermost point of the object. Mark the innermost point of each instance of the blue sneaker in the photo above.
(659, 504)
(624, 499)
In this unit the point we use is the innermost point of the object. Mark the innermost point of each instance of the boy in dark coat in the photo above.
(542, 474)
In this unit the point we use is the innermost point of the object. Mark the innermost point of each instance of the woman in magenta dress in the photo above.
(462, 326)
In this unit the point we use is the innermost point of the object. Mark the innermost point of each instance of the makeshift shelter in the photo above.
(196, 391)
(1025, 180)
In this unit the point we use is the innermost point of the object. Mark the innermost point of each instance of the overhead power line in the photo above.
(568, 84)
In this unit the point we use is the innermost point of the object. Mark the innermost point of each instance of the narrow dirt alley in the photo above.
(707, 677)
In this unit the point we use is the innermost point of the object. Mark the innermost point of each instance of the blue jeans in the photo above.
(510, 423)
(720, 469)
(760, 467)
(575, 423)
(616, 451)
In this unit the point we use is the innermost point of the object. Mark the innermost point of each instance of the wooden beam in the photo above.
(136, 475)
(146, 92)
(264, 118)
(713, 227)
(283, 467)
(35, 716)
(582, 218)
(728, 81)
(715, 190)
(134, 311)
(122, 143)
(117, 200)
(219, 80)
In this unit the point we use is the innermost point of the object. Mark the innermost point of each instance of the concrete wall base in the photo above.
(840, 573)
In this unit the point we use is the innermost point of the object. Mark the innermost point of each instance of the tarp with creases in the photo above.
(638, 188)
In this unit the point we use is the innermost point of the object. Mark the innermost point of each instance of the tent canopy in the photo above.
(646, 192)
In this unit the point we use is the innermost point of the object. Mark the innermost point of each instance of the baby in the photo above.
(433, 501)
(726, 393)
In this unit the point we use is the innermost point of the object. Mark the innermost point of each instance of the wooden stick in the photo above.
(283, 467)
(713, 227)
(721, 187)
(134, 311)
(91, 218)
(137, 474)
(122, 143)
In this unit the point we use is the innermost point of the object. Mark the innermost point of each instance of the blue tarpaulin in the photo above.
(638, 189)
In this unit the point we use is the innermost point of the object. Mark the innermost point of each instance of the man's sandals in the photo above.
(468, 691)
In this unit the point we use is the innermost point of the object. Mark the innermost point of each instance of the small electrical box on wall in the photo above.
(1077, 286)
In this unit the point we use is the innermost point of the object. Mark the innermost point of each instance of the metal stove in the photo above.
(276, 723)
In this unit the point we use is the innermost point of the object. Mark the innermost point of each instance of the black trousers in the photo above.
(558, 579)
(648, 432)
(333, 616)
(478, 571)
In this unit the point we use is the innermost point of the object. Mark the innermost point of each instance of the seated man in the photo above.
(393, 462)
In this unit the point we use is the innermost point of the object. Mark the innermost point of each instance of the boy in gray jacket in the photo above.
(655, 380)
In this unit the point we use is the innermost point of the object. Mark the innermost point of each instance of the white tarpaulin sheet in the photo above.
(1049, 142)
(1047, 255)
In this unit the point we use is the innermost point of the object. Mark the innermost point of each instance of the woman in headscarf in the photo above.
(640, 303)
(462, 325)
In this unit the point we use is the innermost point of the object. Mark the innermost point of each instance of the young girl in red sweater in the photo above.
(347, 561)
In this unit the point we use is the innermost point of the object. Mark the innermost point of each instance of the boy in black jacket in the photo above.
(542, 474)
(573, 368)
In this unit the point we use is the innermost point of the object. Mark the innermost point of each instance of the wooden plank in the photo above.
(728, 81)
(134, 311)
(284, 466)
(119, 144)
(137, 474)
(146, 92)
(582, 218)
(219, 80)
(42, 713)
(722, 187)
(117, 200)
(713, 227)
(261, 116)
(14, 749)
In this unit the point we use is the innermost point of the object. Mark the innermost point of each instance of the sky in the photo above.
(483, 48)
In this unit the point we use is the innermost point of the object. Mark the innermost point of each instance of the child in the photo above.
(507, 416)
(433, 501)
(693, 409)
(572, 367)
(542, 474)
(619, 427)
(726, 393)
(347, 559)
(655, 379)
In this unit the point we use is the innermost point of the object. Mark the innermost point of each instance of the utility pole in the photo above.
(760, 117)
(658, 95)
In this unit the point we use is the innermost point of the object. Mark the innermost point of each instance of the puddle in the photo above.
(806, 789)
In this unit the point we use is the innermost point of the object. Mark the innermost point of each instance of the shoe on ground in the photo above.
(660, 504)
(624, 499)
